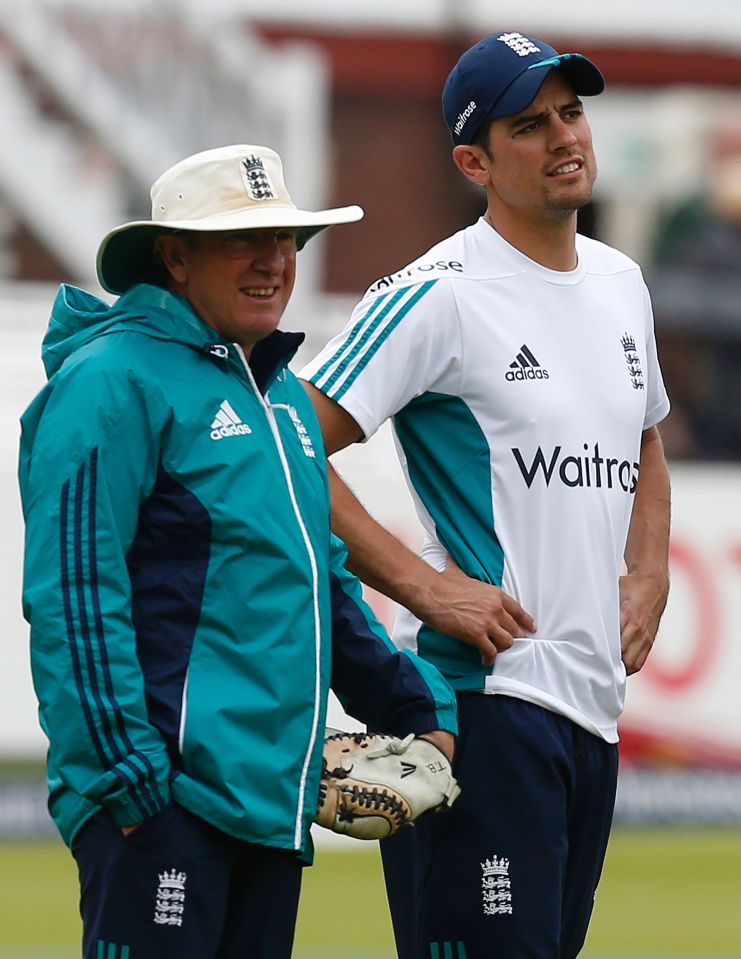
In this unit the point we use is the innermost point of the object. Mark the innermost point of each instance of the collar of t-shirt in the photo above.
(492, 248)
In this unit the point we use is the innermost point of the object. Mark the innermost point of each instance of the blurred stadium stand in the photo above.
(646, 797)
(96, 103)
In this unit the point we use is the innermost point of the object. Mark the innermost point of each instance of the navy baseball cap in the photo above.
(501, 75)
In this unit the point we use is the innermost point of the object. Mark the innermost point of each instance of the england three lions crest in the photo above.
(256, 179)
(170, 896)
(496, 892)
(633, 361)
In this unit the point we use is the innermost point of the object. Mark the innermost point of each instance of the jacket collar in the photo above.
(271, 355)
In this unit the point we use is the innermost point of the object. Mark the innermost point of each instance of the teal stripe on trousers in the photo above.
(460, 950)
(110, 952)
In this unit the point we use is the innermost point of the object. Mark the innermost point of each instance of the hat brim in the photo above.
(582, 74)
(126, 254)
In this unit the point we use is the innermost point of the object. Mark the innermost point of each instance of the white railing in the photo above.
(143, 88)
(55, 187)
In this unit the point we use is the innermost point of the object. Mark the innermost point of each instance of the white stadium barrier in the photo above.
(685, 703)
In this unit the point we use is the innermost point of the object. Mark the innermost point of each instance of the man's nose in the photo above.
(562, 136)
(269, 255)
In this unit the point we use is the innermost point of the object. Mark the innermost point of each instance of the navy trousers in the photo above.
(510, 872)
(177, 888)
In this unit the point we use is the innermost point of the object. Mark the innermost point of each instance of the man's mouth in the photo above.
(571, 167)
(259, 291)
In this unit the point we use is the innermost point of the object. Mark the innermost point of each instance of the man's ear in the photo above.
(171, 248)
(470, 161)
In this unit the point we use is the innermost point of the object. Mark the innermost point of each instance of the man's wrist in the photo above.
(444, 741)
(424, 595)
(660, 573)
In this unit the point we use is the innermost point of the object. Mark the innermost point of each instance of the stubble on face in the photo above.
(559, 202)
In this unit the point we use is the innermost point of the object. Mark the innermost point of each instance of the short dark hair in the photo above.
(481, 138)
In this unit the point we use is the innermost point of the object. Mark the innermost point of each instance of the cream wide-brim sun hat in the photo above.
(239, 187)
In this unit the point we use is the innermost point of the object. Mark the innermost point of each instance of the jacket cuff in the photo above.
(444, 719)
(126, 812)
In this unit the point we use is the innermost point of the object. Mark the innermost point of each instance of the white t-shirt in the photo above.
(518, 395)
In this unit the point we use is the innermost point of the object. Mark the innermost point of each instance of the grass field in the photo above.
(669, 894)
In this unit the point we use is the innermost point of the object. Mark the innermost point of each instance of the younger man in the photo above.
(517, 360)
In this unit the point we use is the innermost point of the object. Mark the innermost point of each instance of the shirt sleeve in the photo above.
(398, 344)
(387, 689)
(657, 400)
(89, 455)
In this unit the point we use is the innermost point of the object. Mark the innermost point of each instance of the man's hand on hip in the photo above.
(476, 613)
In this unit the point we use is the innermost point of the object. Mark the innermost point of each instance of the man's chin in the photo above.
(570, 199)
(567, 204)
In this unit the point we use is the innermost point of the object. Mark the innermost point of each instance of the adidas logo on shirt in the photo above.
(525, 367)
(227, 423)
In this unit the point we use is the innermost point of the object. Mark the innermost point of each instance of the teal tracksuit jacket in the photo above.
(189, 606)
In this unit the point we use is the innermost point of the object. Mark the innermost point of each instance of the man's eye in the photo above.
(238, 246)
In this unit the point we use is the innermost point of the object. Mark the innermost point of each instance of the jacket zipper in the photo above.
(183, 711)
(315, 591)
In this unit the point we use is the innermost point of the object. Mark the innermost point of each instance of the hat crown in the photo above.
(218, 182)
(500, 75)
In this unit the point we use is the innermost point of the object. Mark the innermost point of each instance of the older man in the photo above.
(188, 603)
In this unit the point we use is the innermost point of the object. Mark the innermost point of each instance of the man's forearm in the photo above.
(647, 546)
(377, 557)
(644, 590)
(477, 613)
